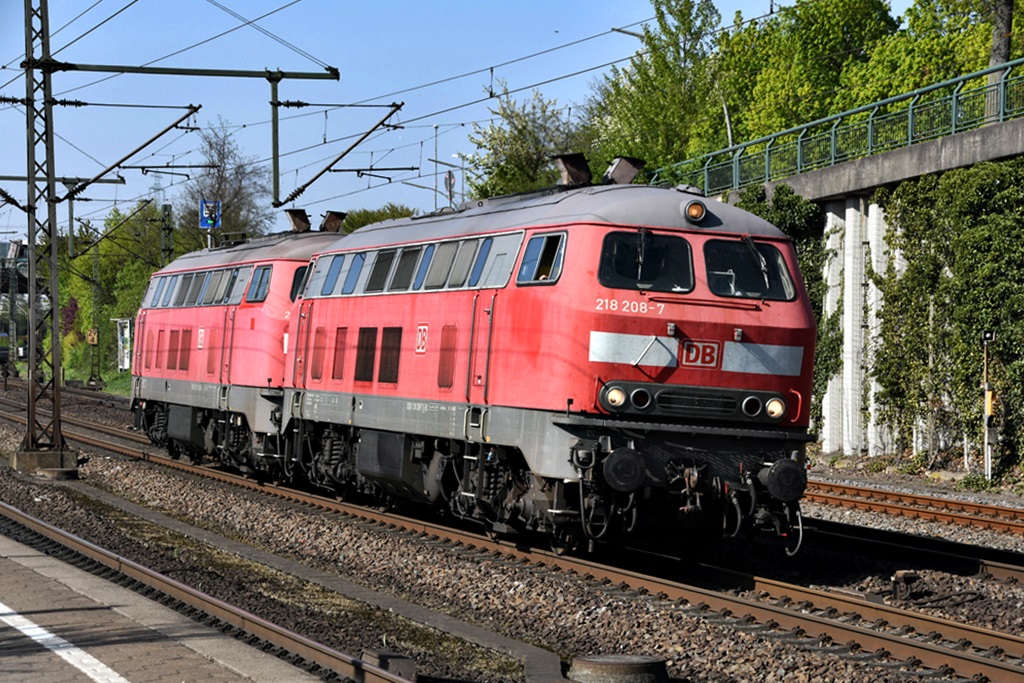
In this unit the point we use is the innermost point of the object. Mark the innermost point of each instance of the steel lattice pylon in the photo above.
(44, 421)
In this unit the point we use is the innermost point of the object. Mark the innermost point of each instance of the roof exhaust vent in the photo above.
(332, 221)
(574, 169)
(622, 170)
(299, 219)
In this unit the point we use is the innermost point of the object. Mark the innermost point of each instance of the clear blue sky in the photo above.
(388, 50)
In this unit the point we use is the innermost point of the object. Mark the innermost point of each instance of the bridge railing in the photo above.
(939, 110)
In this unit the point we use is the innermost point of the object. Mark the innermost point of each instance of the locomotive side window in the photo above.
(198, 280)
(381, 268)
(390, 347)
(404, 270)
(463, 262)
(183, 287)
(169, 290)
(353, 273)
(747, 269)
(260, 286)
(542, 261)
(441, 265)
(240, 278)
(481, 259)
(421, 272)
(224, 286)
(210, 293)
(366, 354)
(340, 339)
(646, 260)
(500, 258)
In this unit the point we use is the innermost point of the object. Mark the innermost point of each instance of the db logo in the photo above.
(421, 339)
(700, 353)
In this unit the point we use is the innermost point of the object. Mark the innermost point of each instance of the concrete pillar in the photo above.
(878, 441)
(831, 429)
(853, 325)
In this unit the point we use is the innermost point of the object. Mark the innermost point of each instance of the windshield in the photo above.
(747, 269)
(646, 260)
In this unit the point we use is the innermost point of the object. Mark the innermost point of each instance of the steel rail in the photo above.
(870, 608)
(278, 636)
(917, 506)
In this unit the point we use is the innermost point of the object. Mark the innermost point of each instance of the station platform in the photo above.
(59, 624)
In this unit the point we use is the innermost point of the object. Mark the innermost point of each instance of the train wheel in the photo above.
(563, 539)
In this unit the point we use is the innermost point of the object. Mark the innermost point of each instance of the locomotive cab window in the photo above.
(646, 260)
(542, 261)
(260, 286)
(169, 291)
(158, 288)
(747, 269)
(298, 279)
(331, 280)
(315, 284)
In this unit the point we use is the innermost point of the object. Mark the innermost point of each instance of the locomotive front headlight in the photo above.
(775, 408)
(615, 397)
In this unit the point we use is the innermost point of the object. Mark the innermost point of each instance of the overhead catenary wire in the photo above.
(454, 107)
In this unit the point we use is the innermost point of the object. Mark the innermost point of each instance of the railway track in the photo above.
(917, 506)
(270, 634)
(829, 616)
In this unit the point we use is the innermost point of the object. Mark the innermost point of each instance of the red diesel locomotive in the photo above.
(592, 362)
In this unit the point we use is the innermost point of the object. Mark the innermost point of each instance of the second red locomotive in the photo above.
(591, 362)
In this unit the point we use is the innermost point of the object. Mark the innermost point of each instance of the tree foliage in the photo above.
(652, 108)
(961, 238)
(516, 150)
(241, 185)
(104, 274)
(360, 217)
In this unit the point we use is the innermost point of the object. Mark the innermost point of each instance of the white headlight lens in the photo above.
(615, 397)
(775, 408)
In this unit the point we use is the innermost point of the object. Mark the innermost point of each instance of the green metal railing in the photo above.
(940, 110)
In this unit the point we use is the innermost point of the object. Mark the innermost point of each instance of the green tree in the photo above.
(516, 150)
(805, 50)
(960, 237)
(241, 185)
(104, 276)
(652, 108)
(941, 40)
(360, 217)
